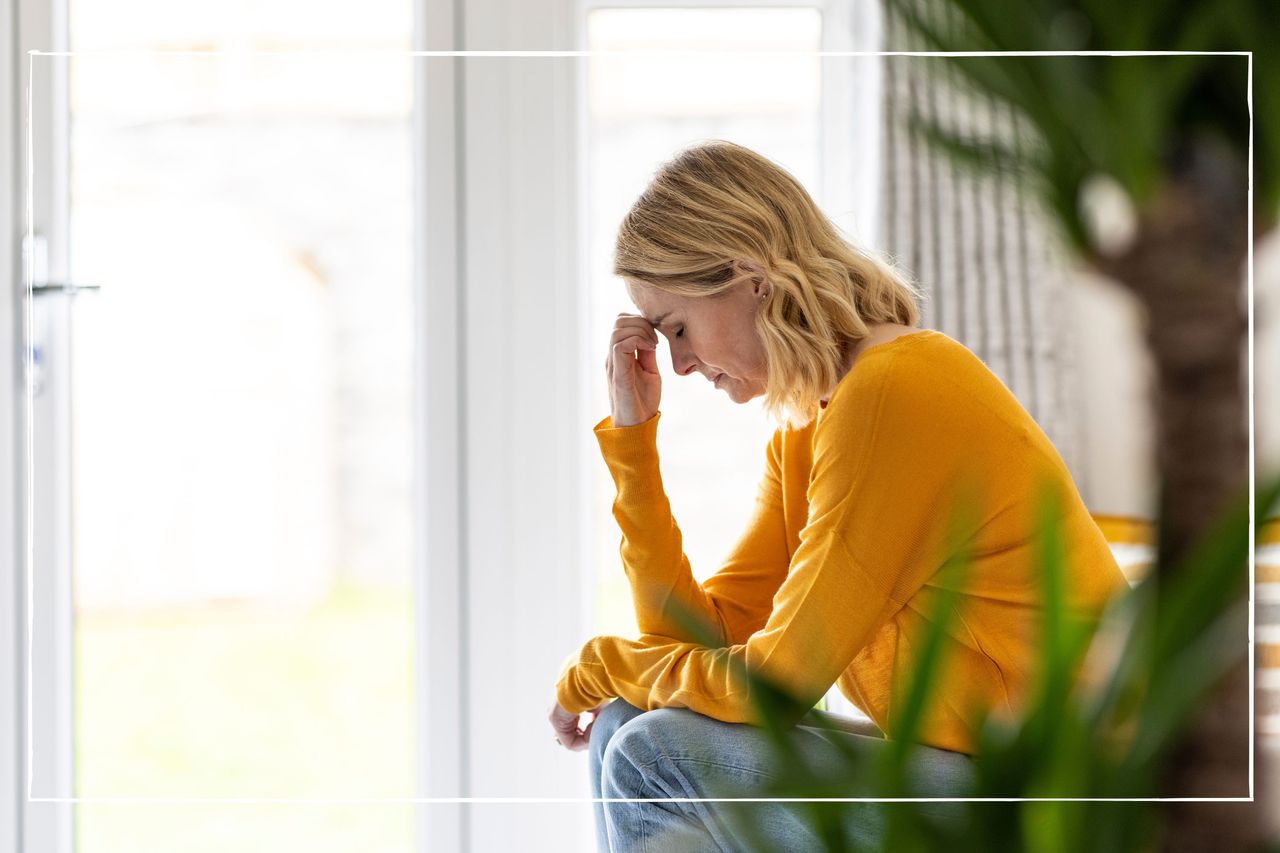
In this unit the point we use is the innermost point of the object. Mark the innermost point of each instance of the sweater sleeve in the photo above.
(733, 602)
(886, 453)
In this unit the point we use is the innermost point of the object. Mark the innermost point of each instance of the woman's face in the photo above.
(713, 336)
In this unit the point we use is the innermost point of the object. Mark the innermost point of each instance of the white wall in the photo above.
(1116, 448)
(1115, 378)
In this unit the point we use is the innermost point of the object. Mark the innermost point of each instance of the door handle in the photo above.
(35, 250)
(35, 259)
(35, 357)
(46, 288)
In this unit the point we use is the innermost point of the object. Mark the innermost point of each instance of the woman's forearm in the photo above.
(668, 600)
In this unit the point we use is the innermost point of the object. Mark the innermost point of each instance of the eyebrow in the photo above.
(657, 321)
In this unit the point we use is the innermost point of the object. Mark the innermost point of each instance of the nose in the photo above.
(683, 361)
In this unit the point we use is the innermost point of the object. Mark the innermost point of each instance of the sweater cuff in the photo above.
(637, 438)
(631, 454)
(576, 691)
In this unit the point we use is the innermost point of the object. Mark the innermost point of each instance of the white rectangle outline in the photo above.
(581, 53)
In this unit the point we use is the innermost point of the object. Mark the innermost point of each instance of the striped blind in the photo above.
(980, 246)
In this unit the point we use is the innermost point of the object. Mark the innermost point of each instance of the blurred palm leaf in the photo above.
(1072, 739)
(1172, 135)
(1126, 117)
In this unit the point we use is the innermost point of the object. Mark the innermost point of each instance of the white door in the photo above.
(221, 503)
(48, 739)
(307, 467)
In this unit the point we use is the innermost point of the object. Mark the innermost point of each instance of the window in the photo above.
(241, 425)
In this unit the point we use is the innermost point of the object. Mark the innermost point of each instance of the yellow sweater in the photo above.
(837, 575)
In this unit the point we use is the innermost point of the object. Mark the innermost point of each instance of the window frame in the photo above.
(12, 751)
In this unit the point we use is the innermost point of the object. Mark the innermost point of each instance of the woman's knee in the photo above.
(646, 738)
(677, 753)
(614, 716)
(626, 754)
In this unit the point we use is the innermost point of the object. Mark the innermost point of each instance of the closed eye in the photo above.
(680, 332)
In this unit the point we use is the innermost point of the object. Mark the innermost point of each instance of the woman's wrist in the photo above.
(631, 452)
(622, 422)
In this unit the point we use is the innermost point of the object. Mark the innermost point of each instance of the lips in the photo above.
(716, 381)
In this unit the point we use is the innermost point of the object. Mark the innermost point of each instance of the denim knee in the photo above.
(639, 744)
(614, 716)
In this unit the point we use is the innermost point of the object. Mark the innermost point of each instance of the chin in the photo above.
(740, 396)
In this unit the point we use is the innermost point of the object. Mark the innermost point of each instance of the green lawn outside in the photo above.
(237, 701)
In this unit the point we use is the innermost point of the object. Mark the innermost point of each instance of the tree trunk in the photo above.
(1186, 265)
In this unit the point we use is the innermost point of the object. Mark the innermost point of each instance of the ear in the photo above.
(759, 283)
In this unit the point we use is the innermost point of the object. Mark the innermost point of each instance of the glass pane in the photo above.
(643, 110)
(242, 423)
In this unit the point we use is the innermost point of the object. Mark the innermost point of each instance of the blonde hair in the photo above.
(718, 202)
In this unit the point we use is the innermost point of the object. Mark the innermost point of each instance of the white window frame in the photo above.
(12, 752)
(502, 420)
(38, 655)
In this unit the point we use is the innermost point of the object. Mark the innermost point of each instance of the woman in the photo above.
(884, 429)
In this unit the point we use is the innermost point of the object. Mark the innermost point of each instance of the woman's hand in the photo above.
(566, 726)
(635, 388)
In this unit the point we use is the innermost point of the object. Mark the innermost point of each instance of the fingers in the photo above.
(595, 713)
(648, 360)
(624, 332)
(627, 330)
(633, 345)
(633, 324)
(624, 318)
(566, 728)
(632, 369)
(632, 337)
(624, 355)
(574, 740)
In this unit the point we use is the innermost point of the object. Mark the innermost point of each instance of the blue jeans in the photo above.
(674, 752)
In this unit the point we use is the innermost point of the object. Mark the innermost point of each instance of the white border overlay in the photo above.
(584, 53)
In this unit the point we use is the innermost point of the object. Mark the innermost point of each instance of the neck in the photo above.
(849, 351)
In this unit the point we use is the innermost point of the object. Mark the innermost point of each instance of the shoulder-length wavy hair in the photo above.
(718, 202)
